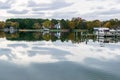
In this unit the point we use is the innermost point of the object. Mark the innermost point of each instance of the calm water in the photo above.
(58, 56)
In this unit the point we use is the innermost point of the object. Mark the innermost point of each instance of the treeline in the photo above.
(74, 23)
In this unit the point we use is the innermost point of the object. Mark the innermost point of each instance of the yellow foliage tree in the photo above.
(47, 24)
(2, 25)
(71, 24)
(107, 24)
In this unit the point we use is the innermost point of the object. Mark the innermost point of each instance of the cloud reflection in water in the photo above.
(58, 61)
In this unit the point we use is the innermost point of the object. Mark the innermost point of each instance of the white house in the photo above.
(58, 26)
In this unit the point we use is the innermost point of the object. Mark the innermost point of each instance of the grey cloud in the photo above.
(39, 9)
(57, 4)
(110, 12)
(6, 5)
(97, 8)
(29, 16)
(100, 7)
(17, 12)
(64, 15)
(117, 1)
(95, 0)
(107, 12)
(32, 4)
(41, 13)
(102, 15)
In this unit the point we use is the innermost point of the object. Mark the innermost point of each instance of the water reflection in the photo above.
(34, 56)
(27, 52)
(74, 37)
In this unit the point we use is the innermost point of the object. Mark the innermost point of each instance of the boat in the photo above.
(101, 31)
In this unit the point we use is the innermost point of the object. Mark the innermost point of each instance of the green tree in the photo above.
(37, 26)
(64, 24)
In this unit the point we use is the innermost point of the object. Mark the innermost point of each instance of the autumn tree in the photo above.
(15, 24)
(46, 36)
(8, 24)
(96, 23)
(2, 24)
(47, 24)
(107, 24)
(71, 24)
(79, 23)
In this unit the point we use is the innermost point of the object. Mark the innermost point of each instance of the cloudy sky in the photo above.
(86, 9)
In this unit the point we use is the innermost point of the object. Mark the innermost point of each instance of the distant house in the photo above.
(57, 26)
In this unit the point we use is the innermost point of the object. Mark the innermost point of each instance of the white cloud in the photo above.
(88, 9)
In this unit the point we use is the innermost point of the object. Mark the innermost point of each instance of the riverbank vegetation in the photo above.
(74, 23)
